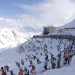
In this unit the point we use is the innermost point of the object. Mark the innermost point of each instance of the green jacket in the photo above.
(59, 59)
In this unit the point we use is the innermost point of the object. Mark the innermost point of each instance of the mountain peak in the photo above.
(68, 25)
(71, 24)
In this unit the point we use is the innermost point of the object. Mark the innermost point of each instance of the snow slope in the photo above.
(69, 70)
(29, 49)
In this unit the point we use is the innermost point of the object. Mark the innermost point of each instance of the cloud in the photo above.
(23, 23)
(49, 12)
(56, 12)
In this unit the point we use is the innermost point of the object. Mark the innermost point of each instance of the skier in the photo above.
(33, 70)
(7, 68)
(38, 61)
(70, 56)
(22, 61)
(58, 61)
(46, 58)
(21, 72)
(11, 72)
(66, 56)
(34, 57)
(3, 71)
(31, 63)
(53, 62)
(46, 63)
(26, 71)
(18, 65)
(51, 56)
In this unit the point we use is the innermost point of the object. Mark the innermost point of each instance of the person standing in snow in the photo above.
(22, 61)
(33, 70)
(46, 62)
(46, 58)
(58, 61)
(70, 56)
(3, 71)
(21, 72)
(53, 61)
(38, 61)
(31, 63)
(51, 56)
(7, 68)
(11, 72)
(26, 71)
(66, 56)
(18, 65)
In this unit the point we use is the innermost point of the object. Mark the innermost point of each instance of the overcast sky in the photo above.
(37, 12)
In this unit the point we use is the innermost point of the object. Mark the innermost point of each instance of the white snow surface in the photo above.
(30, 48)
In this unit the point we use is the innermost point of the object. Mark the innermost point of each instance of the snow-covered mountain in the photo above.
(16, 31)
(12, 38)
(68, 25)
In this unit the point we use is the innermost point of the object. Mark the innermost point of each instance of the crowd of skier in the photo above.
(60, 36)
(54, 62)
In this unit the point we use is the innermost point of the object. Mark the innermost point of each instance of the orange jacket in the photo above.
(21, 73)
(66, 55)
